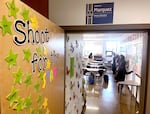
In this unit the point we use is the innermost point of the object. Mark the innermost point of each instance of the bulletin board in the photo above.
(31, 61)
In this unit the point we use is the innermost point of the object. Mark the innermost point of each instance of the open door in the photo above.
(132, 42)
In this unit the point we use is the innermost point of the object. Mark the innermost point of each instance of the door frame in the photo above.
(123, 28)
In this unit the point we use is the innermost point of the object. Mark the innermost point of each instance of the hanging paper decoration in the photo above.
(70, 99)
(18, 105)
(39, 99)
(28, 79)
(34, 22)
(77, 75)
(71, 85)
(41, 75)
(27, 54)
(40, 111)
(39, 51)
(32, 110)
(55, 72)
(25, 14)
(48, 73)
(67, 70)
(37, 86)
(45, 51)
(11, 59)
(77, 44)
(51, 76)
(67, 38)
(47, 111)
(45, 103)
(27, 103)
(18, 76)
(74, 96)
(78, 84)
(48, 64)
(44, 81)
(71, 48)
(71, 67)
(12, 9)
(5, 25)
(12, 97)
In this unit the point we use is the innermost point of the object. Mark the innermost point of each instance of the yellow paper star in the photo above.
(47, 111)
(48, 64)
(45, 51)
(45, 103)
(44, 81)
(34, 23)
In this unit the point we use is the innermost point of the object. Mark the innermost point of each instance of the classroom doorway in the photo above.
(79, 45)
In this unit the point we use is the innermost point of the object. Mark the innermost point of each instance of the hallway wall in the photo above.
(73, 12)
(31, 61)
(73, 82)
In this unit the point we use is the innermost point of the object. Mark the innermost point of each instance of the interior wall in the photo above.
(71, 12)
(74, 89)
(31, 61)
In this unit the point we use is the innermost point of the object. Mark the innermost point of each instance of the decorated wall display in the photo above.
(132, 47)
(31, 61)
(74, 100)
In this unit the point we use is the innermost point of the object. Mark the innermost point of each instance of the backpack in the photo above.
(106, 78)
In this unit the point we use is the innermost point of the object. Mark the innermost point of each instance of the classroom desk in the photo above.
(129, 83)
(97, 61)
(93, 69)
(96, 64)
(93, 66)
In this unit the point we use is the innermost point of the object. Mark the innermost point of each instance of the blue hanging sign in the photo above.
(99, 13)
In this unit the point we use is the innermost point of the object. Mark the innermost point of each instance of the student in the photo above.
(120, 76)
(90, 58)
(115, 63)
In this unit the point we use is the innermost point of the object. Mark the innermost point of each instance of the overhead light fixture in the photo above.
(92, 108)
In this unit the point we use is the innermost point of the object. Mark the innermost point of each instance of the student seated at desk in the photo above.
(89, 60)
(90, 57)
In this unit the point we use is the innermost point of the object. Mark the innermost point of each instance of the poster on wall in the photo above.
(99, 13)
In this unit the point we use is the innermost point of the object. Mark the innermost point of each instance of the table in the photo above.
(93, 69)
(129, 83)
(96, 63)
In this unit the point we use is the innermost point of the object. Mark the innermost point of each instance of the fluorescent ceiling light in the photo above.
(92, 108)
